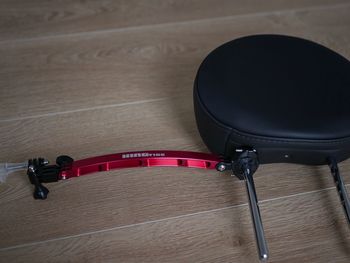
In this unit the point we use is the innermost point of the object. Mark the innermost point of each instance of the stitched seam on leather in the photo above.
(265, 139)
(252, 137)
(210, 116)
(216, 121)
(257, 137)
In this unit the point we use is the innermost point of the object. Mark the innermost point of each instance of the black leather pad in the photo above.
(287, 97)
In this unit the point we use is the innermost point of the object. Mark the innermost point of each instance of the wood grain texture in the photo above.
(22, 19)
(87, 78)
(67, 74)
(305, 228)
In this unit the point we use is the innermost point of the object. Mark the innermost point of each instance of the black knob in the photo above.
(40, 192)
(64, 160)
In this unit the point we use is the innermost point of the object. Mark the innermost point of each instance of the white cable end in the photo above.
(7, 168)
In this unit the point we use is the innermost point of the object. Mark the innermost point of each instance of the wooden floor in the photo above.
(86, 78)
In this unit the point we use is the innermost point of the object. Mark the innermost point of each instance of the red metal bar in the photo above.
(140, 159)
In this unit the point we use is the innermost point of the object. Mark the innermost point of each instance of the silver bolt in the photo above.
(221, 167)
(31, 168)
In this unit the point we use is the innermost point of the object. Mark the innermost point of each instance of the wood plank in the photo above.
(127, 196)
(27, 19)
(70, 73)
(304, 228)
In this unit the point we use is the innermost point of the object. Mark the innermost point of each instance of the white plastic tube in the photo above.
(7, 168)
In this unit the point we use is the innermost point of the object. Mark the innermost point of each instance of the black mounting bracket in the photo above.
(39, 171)
(243, 158)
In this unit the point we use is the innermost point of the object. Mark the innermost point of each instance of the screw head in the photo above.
(221, 167)
(31, 168)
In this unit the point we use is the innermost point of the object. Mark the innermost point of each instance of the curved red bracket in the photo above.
(140, 159)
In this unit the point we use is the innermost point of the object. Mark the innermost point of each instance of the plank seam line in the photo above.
(52, 114)
(160, 220)
(194, 21)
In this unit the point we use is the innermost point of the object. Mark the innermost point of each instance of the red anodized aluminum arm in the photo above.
(140, 159)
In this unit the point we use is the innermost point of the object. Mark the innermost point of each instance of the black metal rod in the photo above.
(256, 217)
(341, 188)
